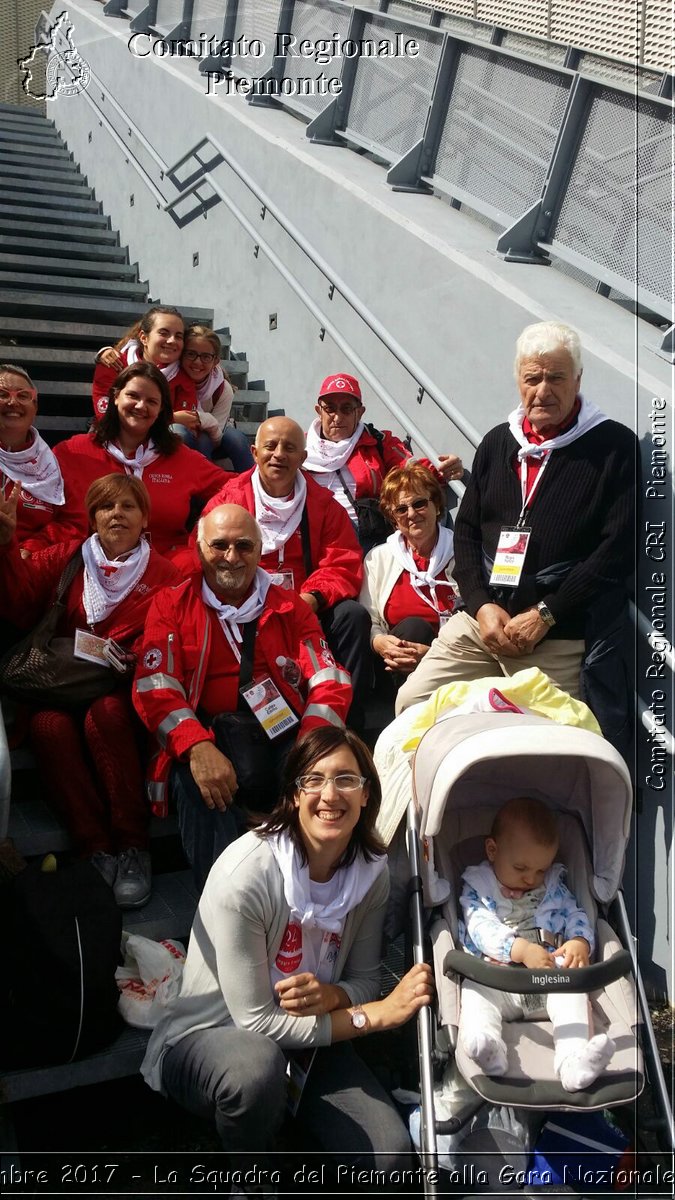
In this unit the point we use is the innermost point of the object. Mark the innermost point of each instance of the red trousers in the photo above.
(92, 773)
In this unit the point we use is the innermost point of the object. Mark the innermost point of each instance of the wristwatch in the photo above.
(358, 1018)
(545, 614)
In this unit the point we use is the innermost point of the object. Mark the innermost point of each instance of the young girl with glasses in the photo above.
(217, 438)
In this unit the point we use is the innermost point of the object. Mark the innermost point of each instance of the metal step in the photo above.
(73, 214)
(16, 331)
(35, 169)
(45, 361)
(56, 429)
(24, 113)
(64, 248)
(41, 137)
(84, 308)
(26, 149)
(86, 234)
(122, 1058)
(35, 187)
(82, 286)
(15, 125)
(87, 267)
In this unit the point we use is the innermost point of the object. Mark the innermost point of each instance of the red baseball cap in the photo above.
(346, 385)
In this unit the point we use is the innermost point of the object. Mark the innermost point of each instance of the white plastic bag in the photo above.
(149, 980)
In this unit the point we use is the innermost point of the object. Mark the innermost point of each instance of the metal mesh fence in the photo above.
(256, 19)
(617, 209)
(465, 27)
(169, 14)
(314, 23)
(391, 96)
(208, 17)
(535, 47)
(611, 71)
(500, 130)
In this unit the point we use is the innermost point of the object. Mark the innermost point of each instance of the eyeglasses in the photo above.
(401, 510)
(313, 784)
(345, 410)
(194, 356)
(22, 395)
(241, 545)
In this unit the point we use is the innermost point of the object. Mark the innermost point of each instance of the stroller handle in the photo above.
(577, 979)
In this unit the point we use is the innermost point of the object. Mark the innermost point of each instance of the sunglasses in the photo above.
(401, 510)
(345, 410)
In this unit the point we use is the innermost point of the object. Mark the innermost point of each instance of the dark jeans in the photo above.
(238, 1080)
(347, 629)
(410, 629)
(205, 832)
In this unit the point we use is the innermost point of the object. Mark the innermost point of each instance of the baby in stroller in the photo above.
(517, 909)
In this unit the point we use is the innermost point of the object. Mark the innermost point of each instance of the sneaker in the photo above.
(106, 865)
(133, 884)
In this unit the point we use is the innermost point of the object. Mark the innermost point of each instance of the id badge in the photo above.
(443, 618)
(90, 647)
(510, 556)
(284, 579)
(269, 707)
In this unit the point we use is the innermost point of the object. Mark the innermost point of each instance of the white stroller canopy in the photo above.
(483, 759)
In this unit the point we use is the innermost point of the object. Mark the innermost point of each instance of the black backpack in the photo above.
(61, 934)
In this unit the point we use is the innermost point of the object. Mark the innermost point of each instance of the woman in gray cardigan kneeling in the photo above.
(284, 956)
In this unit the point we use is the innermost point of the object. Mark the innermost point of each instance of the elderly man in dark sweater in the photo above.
(544, 538)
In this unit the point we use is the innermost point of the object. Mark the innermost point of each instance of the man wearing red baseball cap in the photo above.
(352, 458)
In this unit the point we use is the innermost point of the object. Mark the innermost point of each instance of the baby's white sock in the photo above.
(581, 1068)
(487, 1050)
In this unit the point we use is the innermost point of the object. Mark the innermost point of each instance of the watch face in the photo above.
(359, 1020)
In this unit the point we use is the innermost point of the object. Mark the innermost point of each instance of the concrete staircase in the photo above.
(67, 286)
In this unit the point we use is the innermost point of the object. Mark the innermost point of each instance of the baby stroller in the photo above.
(464, 769)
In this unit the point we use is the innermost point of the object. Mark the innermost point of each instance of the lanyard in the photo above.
(527, 496)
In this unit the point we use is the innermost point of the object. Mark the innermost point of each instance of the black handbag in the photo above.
(42, 669)
(257, 760)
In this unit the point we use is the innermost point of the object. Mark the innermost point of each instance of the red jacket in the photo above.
(29, 587)
(173, 668)
(182, 388)
(372, 459)
(335, 553)
(173, 481)
(31, 514)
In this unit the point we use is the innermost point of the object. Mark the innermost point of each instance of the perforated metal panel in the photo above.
(314, 23)
(169, 14)
(256, 19)
(391, 96)
(500, 130)
(617, 209)
(208, 17)
(659, 34)
(637, 30)
(532, 15)
(538, 48)
(410, 10)
(466, 27)
(611, 71)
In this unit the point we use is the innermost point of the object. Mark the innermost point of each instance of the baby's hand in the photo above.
(532, 956)
(574, 953)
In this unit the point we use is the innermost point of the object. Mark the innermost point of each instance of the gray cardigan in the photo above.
(237, 933)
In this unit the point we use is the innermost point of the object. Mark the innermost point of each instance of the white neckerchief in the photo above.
(36, 469)
(325, 456)
(108, 581)
(231, 617)
(278, 518)
(208, 386)
(440, 557)
(134, 353)
(144, 456)
(588, 418)
(355, 881)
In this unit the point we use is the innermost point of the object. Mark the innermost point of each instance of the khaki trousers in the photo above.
(459, 653)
